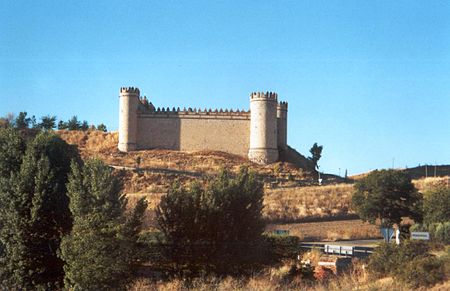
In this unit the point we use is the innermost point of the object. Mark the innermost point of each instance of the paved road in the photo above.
(360, 243)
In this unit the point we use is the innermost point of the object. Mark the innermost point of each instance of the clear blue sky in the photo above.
(369, 80)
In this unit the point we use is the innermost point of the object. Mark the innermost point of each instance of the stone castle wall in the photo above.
(259, 133)
(194, 131)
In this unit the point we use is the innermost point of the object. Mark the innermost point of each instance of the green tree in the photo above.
(436, 205)
(34, 214)
(102, 127)
(100, 252)
(12, 148)
(22, 121)
(84, 125)
(217, 226)
(73, 123)
(316, 154)
(62, 125)
(387, 196)
(47, 122)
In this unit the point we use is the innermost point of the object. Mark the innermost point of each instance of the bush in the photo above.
(439, 232)
(410, 263)
(281, 247)
(382, 261)
(387, 258)
(442, 232)
(422, 272)
(436, 204)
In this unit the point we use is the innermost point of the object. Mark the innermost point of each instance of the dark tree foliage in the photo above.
(100, 253)
(216, 228)
(34, 214)
(102, 127)
(387, 196)
(62, 125)
(12, 148)
(73, 123)
(22, 121)
(316, 153)
(47, 122)
(84, 125)
(436, 205)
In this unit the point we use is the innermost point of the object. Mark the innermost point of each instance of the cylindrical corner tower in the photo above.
(263, 128)
(282, 110)
(129, 101)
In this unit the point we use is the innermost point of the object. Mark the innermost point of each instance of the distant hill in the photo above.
(418, 172)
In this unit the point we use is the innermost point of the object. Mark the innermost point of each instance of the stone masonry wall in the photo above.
(195, 131)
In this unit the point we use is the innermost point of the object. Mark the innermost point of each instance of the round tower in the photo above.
(263, 128)
(129, 101)
(282, 110)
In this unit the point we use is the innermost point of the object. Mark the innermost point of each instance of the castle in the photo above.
(260, 133)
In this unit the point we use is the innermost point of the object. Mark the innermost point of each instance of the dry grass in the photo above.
(274, 279)
(330, 230)
(313, 202)
(426, 184)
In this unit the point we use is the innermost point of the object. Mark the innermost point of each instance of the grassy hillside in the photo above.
(291, 193)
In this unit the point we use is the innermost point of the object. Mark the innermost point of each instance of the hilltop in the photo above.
(419, 172)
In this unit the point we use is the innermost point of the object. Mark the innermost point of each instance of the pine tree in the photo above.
(47, 122)
(100, 252)
(34, 215)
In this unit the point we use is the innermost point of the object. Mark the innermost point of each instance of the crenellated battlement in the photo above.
(264, 96)
(283, 105)
(129, 90)
(194, 111)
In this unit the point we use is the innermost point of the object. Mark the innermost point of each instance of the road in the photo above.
(371, 243)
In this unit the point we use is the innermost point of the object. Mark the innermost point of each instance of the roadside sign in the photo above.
(387, 233)
(281, 232)
(420, 235)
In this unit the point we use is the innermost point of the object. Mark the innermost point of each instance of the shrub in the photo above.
(382, 261)
(421, 272)
(387, 258)
(436, 204)
(439, 232)
(281, 247)
(442, 232)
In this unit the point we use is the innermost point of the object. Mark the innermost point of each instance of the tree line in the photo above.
(47, 122)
